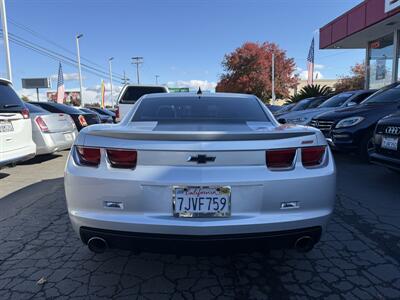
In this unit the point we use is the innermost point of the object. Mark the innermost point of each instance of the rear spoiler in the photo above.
(196, 136)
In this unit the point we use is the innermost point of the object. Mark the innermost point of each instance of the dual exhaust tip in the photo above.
(302, 244)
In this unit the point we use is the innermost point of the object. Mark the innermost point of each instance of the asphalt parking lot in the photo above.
(41, 257)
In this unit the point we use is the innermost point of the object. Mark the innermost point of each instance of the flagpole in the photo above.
(5, 38)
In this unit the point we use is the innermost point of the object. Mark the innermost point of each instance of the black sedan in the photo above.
(80, 118)
(103, 118)
(304, 104)
(387, 146)
(352, 128)
(105, 112)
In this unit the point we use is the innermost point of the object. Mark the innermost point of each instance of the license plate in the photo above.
(68, 136)
(390, 143)
(197, 202)
(6, 127)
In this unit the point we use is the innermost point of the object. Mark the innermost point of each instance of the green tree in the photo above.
(355, 81)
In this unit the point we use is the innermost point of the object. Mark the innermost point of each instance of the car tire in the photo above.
(366, 147)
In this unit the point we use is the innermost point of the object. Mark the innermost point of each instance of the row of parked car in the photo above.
(36, 128)
(364, 121)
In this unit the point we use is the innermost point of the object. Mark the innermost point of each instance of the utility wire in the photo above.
(44, 38)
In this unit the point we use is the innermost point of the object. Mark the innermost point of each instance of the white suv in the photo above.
(16, 142)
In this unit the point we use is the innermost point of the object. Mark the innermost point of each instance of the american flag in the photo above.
(60, 85)
(310, 63)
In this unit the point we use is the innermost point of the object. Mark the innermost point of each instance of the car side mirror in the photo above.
(282, 121)
(351, 104)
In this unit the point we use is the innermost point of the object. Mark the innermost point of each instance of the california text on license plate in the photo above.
(389, 143)
(192, 202)
(6, 127)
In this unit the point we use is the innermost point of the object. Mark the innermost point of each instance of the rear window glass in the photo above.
(9, 99)
(35, 109)
(133, 93)
(58, 108)
(337, 101)
(317, 102)
(303, 104)
(194, 109)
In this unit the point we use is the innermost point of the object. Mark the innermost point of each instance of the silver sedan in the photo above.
(197, 173)
(51, 132)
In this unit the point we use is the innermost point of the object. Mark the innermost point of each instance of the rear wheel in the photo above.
(366, 147)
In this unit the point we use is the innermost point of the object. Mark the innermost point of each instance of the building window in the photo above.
(380, 62)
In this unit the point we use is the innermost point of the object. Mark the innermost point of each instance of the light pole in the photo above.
(111, 86)
(157, 76)
(137, 60)
(79, 65)
(5, 37)
(273, 79)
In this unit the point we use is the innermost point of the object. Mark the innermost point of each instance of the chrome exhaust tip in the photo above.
(97, 244)
(304, 244)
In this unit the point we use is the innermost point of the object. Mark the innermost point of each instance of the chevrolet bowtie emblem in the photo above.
(201, 159)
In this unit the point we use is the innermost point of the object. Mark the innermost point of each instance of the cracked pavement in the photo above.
(358, 257)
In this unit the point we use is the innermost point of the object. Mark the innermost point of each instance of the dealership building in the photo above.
(373, 25)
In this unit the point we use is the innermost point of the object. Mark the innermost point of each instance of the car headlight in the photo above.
(297, 120)
(348, 122)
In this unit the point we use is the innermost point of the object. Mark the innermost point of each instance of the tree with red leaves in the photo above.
(249, 68)
(353, 82)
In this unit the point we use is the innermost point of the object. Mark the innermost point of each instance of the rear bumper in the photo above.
(189, 244)
(18, 155)
(57, 141)
(386, 161)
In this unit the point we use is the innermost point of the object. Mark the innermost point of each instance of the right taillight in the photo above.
(82, 121)
(120, 158)
(42, 124)
(280, 158)
(312, 156)
(88, 156)
(117, 112)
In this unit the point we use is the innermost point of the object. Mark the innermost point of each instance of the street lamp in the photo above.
(111, 85)
(79, 65)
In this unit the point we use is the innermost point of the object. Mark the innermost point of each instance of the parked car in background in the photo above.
(386, 140)
(352, 128)
(273, 108)
(102, 118)
(51, 131)
(16, 143)
(212, 171)
(105, 111)
(304, 104)
(345, 99)
(131, 93)
(81, 119)
(284, 109)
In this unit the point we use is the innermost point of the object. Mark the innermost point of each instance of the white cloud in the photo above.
(319, 67)
(317, 75)
(194, 84)
(67, 76)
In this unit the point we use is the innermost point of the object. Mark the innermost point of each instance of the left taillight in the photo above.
(25, 113)
(88, 156)
(42, 124)
(123, 159)
(82, 121)
(280, 158)
(312, 156)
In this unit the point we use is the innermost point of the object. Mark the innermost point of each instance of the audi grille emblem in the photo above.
(392, 130)
(201, 159)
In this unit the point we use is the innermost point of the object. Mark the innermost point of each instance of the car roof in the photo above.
(195, 95)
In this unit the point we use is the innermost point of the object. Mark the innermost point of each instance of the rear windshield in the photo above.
(58, 108)
(337, 101)
(387, 94)
(133, 93)
(194, 109)
(35, 109)
(9, 100)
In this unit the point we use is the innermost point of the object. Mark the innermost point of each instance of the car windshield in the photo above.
(388, 94)
(302, 104)
(133, 93)
(317, 102)
(195, 109)
(337, 100)
(35, 109)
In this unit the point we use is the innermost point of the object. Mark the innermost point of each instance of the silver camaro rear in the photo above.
(199, 171)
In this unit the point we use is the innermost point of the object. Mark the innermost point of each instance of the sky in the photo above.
(182, 41)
